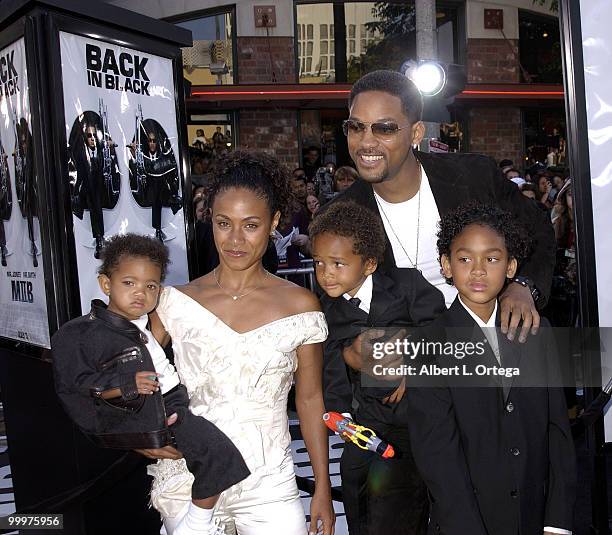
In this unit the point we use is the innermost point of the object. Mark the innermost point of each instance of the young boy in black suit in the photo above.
(494, 444)
(347, 243)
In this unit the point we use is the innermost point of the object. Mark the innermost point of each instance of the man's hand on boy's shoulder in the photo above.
(517, 305)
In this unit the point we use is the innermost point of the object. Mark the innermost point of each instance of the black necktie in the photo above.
(355, 301)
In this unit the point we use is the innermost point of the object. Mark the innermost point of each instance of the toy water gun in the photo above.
(359, 435)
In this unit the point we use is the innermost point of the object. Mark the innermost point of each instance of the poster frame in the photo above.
(580, 171)
(55, 24)
(41, 32)
(21, 29)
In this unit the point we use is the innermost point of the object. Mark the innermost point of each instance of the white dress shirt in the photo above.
(488, 328)
(401, 221)
(364, 294)
(168, 377)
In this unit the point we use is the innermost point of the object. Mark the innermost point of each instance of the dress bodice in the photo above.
(239, 381)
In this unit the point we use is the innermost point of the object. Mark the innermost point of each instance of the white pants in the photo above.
(270, 506)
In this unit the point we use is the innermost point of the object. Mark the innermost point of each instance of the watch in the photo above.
(528, 283)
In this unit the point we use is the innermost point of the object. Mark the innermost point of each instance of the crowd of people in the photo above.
(551, 189)
(405, 240)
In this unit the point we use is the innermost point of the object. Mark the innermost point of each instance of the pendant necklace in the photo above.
(238, 296)
(415, 263)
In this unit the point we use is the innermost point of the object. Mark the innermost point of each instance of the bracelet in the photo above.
(528, 283)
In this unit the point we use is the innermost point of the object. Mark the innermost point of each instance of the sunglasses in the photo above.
(90, 135)
(381, 130)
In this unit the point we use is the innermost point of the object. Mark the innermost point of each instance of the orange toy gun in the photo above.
(359, 435)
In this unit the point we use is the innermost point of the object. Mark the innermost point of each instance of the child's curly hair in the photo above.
(351, 220)
(132, 245)
(258, 172)
(504, 223)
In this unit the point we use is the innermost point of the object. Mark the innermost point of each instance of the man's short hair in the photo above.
(393, 83)
(351, 220)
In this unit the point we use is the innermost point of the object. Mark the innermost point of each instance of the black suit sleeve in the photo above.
(541, 263)
(438, 453)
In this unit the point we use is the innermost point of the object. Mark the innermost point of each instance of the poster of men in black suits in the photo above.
(23, 303)
(122, 147)
(154, 177)
(95, 177)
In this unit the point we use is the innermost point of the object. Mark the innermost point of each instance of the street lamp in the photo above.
(428, 76)
(438, 83)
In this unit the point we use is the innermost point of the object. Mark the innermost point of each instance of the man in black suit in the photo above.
(411, 190)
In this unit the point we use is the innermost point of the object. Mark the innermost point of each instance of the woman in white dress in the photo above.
(240, 337)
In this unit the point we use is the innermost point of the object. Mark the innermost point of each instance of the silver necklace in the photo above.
(415, 263)
(233, 296)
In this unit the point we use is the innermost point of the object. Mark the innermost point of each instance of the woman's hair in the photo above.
(503, 223)
(120, 247)
(351, 220)
(255, 171)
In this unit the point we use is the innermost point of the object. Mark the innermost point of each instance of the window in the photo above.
(309, 48)
(323, 63)
(309, 31)
(210, 61)
(540, 48)
(377, 35)
(204, 140)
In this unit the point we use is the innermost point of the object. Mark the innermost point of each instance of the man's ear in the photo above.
(446, 267)
(511, 269)
(418, 132)
(370, 266)
(104, 283)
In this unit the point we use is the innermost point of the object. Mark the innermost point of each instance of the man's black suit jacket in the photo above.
(401, 298)
(457, 178)
(498, 459)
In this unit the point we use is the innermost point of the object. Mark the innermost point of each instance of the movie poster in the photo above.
(23, 302)
(123, 155)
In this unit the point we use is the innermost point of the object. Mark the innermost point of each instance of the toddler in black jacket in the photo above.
(117, 385)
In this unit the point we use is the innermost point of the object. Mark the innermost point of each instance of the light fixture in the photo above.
(429, 76)
(545, 34)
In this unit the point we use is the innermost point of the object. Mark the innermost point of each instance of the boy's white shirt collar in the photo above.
(487, 327)
(480, 323)
(364, 294)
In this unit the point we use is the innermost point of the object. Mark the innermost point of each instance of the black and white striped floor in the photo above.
(301, 461)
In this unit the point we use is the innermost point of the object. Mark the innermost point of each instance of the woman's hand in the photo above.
(167, 452)
(322, 510)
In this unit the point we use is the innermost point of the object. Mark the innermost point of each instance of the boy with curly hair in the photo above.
(348, 242)
(492, 442)
(117, 385)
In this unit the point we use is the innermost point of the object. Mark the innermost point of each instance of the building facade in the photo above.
(276, 77)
